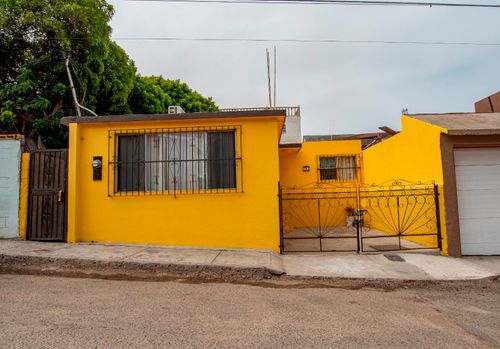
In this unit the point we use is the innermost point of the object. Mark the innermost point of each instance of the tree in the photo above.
(155, 94)
(35, 38)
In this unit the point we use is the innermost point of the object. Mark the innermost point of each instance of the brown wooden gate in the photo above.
(47, 218)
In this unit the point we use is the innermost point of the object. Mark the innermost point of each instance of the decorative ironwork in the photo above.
(316, 220)
(183, 160)
(395, 215)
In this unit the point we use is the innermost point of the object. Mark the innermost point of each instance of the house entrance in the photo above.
(47, 195)
(360, 218)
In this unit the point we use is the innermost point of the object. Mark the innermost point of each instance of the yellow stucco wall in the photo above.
(24, 194)
(231, 220)
(412, 155)
(293, 160)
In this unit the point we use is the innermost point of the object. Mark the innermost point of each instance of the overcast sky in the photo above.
(341, 88)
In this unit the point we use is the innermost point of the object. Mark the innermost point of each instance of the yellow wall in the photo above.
(412, 155)
(293, 160)
(232, 220)
(24, 194)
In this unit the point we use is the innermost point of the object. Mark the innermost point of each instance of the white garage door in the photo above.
(478, 190)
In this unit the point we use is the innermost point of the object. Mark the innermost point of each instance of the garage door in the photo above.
(478, 190)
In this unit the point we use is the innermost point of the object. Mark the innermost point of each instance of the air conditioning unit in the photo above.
(175, 109)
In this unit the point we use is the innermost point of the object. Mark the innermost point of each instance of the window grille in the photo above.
(187, 160)
(338, 168)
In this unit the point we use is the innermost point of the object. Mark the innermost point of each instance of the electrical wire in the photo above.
(333, 2)
(323, 41)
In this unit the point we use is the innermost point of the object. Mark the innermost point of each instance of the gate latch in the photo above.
(59, 196)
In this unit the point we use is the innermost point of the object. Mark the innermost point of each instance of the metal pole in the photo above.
(438, 217)
(269, 78)
(72, 87)
(319, 227)
(280, 201)
(274, 89)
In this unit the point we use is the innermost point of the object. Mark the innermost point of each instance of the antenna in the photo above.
(269, 78)
(274, 75)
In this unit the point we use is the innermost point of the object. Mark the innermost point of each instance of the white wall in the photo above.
(10, 165)
(293, 134)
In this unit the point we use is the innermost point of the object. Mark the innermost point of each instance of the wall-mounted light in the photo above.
(97, 168)
(306, 168)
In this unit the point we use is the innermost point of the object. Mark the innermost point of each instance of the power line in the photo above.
(333, 2)
(322, 41)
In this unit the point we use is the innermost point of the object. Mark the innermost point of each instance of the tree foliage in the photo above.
(36, 36)
(154, 94)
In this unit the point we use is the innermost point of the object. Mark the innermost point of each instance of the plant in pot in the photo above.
(349, 220)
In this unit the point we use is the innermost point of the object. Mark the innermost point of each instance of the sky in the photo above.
(341, 88)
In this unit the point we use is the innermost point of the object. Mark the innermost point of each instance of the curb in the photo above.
(126, 270)
(272, 276)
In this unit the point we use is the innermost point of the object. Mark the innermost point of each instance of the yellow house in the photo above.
(194, 179)
(244, 178)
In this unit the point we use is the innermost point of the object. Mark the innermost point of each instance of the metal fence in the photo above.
(360, 218)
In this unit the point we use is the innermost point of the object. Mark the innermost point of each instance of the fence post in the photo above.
(282, 245)
(359, 233)
(438, 217)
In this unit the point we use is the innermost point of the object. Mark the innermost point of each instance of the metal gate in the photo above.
(47, 211)
(360, 218)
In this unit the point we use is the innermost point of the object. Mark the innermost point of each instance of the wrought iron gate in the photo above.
(47, 195)
(360, 218)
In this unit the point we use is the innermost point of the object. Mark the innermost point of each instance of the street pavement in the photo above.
(54, 312)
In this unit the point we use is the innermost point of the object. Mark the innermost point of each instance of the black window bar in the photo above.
(339, 168)
(185, 160)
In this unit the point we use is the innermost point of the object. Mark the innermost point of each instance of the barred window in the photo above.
(193, 161)
(337, 168)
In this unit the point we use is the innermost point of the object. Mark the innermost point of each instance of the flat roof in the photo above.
(463, 124)
(184, 116)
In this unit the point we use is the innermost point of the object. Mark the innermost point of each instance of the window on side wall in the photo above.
(340, 168)
(176, 161)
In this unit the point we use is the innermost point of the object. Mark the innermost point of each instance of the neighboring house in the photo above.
(459, 152)
(10, 166)
(490, 104)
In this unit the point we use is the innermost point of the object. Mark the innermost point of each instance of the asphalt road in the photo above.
(51, 312)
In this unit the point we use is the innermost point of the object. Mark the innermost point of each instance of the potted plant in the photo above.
(349, 220)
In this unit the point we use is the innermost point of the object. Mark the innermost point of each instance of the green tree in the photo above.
(36, 36)
(155, 94)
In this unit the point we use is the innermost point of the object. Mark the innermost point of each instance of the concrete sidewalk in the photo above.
(387, 266)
